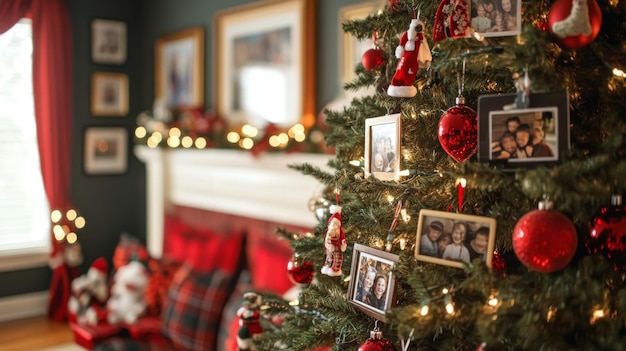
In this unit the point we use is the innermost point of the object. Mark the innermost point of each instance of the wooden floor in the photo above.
(33, 334)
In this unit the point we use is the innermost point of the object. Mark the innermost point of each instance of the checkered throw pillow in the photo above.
(193, 308)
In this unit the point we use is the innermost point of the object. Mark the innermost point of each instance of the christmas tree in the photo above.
(555, 278)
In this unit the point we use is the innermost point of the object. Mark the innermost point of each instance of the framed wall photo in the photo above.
(109, 94)
(179, 69)
(108, 41)
(512, 137)
(496, 18)
(351, 49)
(453, 239)
(265, 63)
(105, 150)
(383, 138)
(372, 287)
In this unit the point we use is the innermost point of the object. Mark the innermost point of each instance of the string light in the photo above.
(424, 310)
(619, 73)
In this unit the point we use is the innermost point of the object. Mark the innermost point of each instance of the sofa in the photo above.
(209, 261)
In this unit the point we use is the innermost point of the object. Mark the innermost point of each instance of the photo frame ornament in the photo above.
(383, 145)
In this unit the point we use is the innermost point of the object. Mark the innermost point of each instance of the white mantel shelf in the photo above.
(227, 181)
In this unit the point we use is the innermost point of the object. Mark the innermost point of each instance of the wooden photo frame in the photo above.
(502, 129)
(179, 69)
(105, 150)
(453, 239)
(373, 266)
(496, 18)
(108, 41)
(109, 94)
(383, 138)
(265, 65)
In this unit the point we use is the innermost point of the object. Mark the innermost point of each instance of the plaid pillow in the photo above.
(193, 309)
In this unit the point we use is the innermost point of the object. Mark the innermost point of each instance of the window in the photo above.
(24, 211)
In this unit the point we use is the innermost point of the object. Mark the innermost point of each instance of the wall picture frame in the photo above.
(375, 267)
(383, 139)
(105, 150)
(454, 239)
(544, 123)
(108, 41)
(264, 64)
(351, 49)
(179, 69)
(109, 94)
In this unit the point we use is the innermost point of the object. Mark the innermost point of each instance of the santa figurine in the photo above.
(413, 52)
(249, 325)
(335, 243)
(90, 293)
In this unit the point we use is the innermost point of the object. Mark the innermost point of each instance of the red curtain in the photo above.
(52, 83)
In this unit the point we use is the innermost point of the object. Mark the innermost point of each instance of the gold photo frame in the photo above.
(109, 94)
(383, 138)
(179, 69)
(264, 67)
(372, 269)
(454, 239)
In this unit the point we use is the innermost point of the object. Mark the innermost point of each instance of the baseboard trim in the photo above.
(23, 306)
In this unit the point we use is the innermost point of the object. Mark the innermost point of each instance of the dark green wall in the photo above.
(115, 204)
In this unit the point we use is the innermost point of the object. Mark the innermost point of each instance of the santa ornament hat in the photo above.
(99, 268)
(335, 211)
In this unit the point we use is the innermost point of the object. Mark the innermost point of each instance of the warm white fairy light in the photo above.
(71, 238)
(462, 182)
(59, 233)
(186, 142)
(71, 215)
(79, 222)
(493, 301)
(450, 307)
(283, 138)
(424, 310)
(274, 141)
(173, 141)
(200, 143)
(619, 73)
(233, 137)
(390, 198)
(175, 132)
(445, 291)
(249, 130)
(141, 132)
(597, 314)
(55, 216)
(246, 143)
(356, 163)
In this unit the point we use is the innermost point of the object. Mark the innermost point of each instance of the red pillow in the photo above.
(267, 258)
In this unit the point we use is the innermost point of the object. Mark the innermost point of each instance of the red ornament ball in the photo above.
(373, 58)
(545, 240)
(458, 131)
(376, 342)
(561, 11)
(300, 272)
(607, 233)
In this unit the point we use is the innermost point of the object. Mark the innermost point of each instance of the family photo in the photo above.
(372, 280)
(496, 17)
(454, 239)
(524, 134)
(382, 146)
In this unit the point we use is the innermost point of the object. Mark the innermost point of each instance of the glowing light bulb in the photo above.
(450, 308)
(55, 216)
(424, 310)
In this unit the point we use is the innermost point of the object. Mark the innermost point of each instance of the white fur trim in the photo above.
(335, 209)
(406, 91)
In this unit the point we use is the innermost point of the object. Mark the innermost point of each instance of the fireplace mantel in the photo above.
(227, 181)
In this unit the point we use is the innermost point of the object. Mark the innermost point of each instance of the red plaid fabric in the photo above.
(193, 309)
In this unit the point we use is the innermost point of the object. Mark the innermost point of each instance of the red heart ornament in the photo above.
(458, 131)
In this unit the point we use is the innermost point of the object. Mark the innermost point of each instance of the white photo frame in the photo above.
(382, 160)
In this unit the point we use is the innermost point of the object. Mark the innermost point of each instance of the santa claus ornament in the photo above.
(545, 240)
(413, 52)
(249, 324)
(335, 243)
(574, 23)
(607, 233)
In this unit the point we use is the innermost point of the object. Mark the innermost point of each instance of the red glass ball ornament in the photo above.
(300, 272)
(373, 58)
(561, 10)
(376, 342)
(458, 131)
(607, 233)
(545, 240)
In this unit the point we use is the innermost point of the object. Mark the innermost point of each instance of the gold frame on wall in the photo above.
(238, 28)
(109, 94)
(105, 150)
(179, 69)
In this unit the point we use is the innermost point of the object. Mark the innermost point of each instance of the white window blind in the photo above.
(24, 210)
